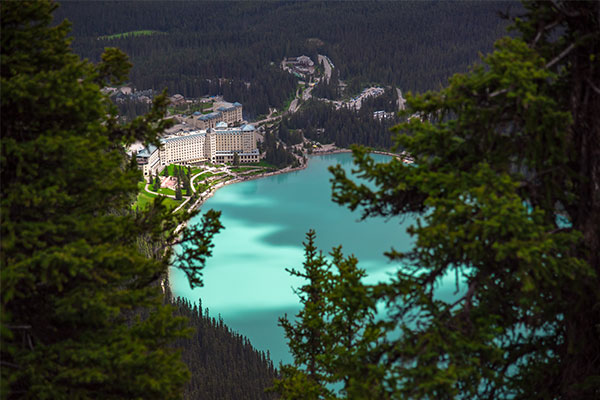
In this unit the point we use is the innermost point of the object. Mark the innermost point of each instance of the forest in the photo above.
(234, 48)
(223, 363)
(321, 122)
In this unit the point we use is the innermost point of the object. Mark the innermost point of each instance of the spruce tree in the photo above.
(82, 306)
(505, 189)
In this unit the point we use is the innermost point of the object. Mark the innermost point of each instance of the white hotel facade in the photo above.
(216, 145)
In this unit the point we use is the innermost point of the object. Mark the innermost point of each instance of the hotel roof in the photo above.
(183, 138)
(146, 151)
(212, 115)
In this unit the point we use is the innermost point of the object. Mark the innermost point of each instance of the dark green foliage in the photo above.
(186, 185)
(236, 159)
(276, 154)
(505, 189)
(221, 47)
(288, 137)
(131, 108)
(329, 88)
(323, 123)
(388, 102)
(223, 364)
(82, 314)
(334, 333)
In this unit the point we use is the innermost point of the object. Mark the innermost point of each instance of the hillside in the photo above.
(234, 49)
(223, 363)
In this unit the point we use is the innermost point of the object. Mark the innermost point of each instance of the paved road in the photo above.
(401, 101)
(325, 61)
(306, 95)
(293, 106)
(263, 121)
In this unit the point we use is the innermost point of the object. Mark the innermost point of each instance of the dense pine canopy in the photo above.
(235, 48)
(82, 313)
(505, 189)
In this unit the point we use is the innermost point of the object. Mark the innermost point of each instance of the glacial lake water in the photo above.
(265, 224)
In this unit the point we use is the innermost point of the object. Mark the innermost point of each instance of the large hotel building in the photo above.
(216, 145)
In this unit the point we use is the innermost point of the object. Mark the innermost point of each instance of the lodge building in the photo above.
(215, 145)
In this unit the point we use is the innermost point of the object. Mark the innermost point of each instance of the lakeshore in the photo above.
(326, 150)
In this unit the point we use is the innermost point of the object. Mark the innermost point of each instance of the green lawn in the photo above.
(241, 169)
(144, 32)
(171, 204)
(263, 163)
(171, 192)
(204, 176)
(166, 191)
(145, 198)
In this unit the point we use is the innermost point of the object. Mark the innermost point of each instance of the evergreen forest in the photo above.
(235, 48)
(223, 363)
(320, 121)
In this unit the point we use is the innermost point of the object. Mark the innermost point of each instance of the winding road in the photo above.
(327, 64)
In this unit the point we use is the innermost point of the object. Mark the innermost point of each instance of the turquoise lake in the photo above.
(265, 224)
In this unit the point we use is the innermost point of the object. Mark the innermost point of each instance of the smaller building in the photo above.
(232, 114)
(148, 160)
(177, 99)
(207, 121)
(380, 115)
(300, 66)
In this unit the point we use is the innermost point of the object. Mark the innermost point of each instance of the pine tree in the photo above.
(333, 332)
(187, 186)
(82, 314)
(505, 189)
